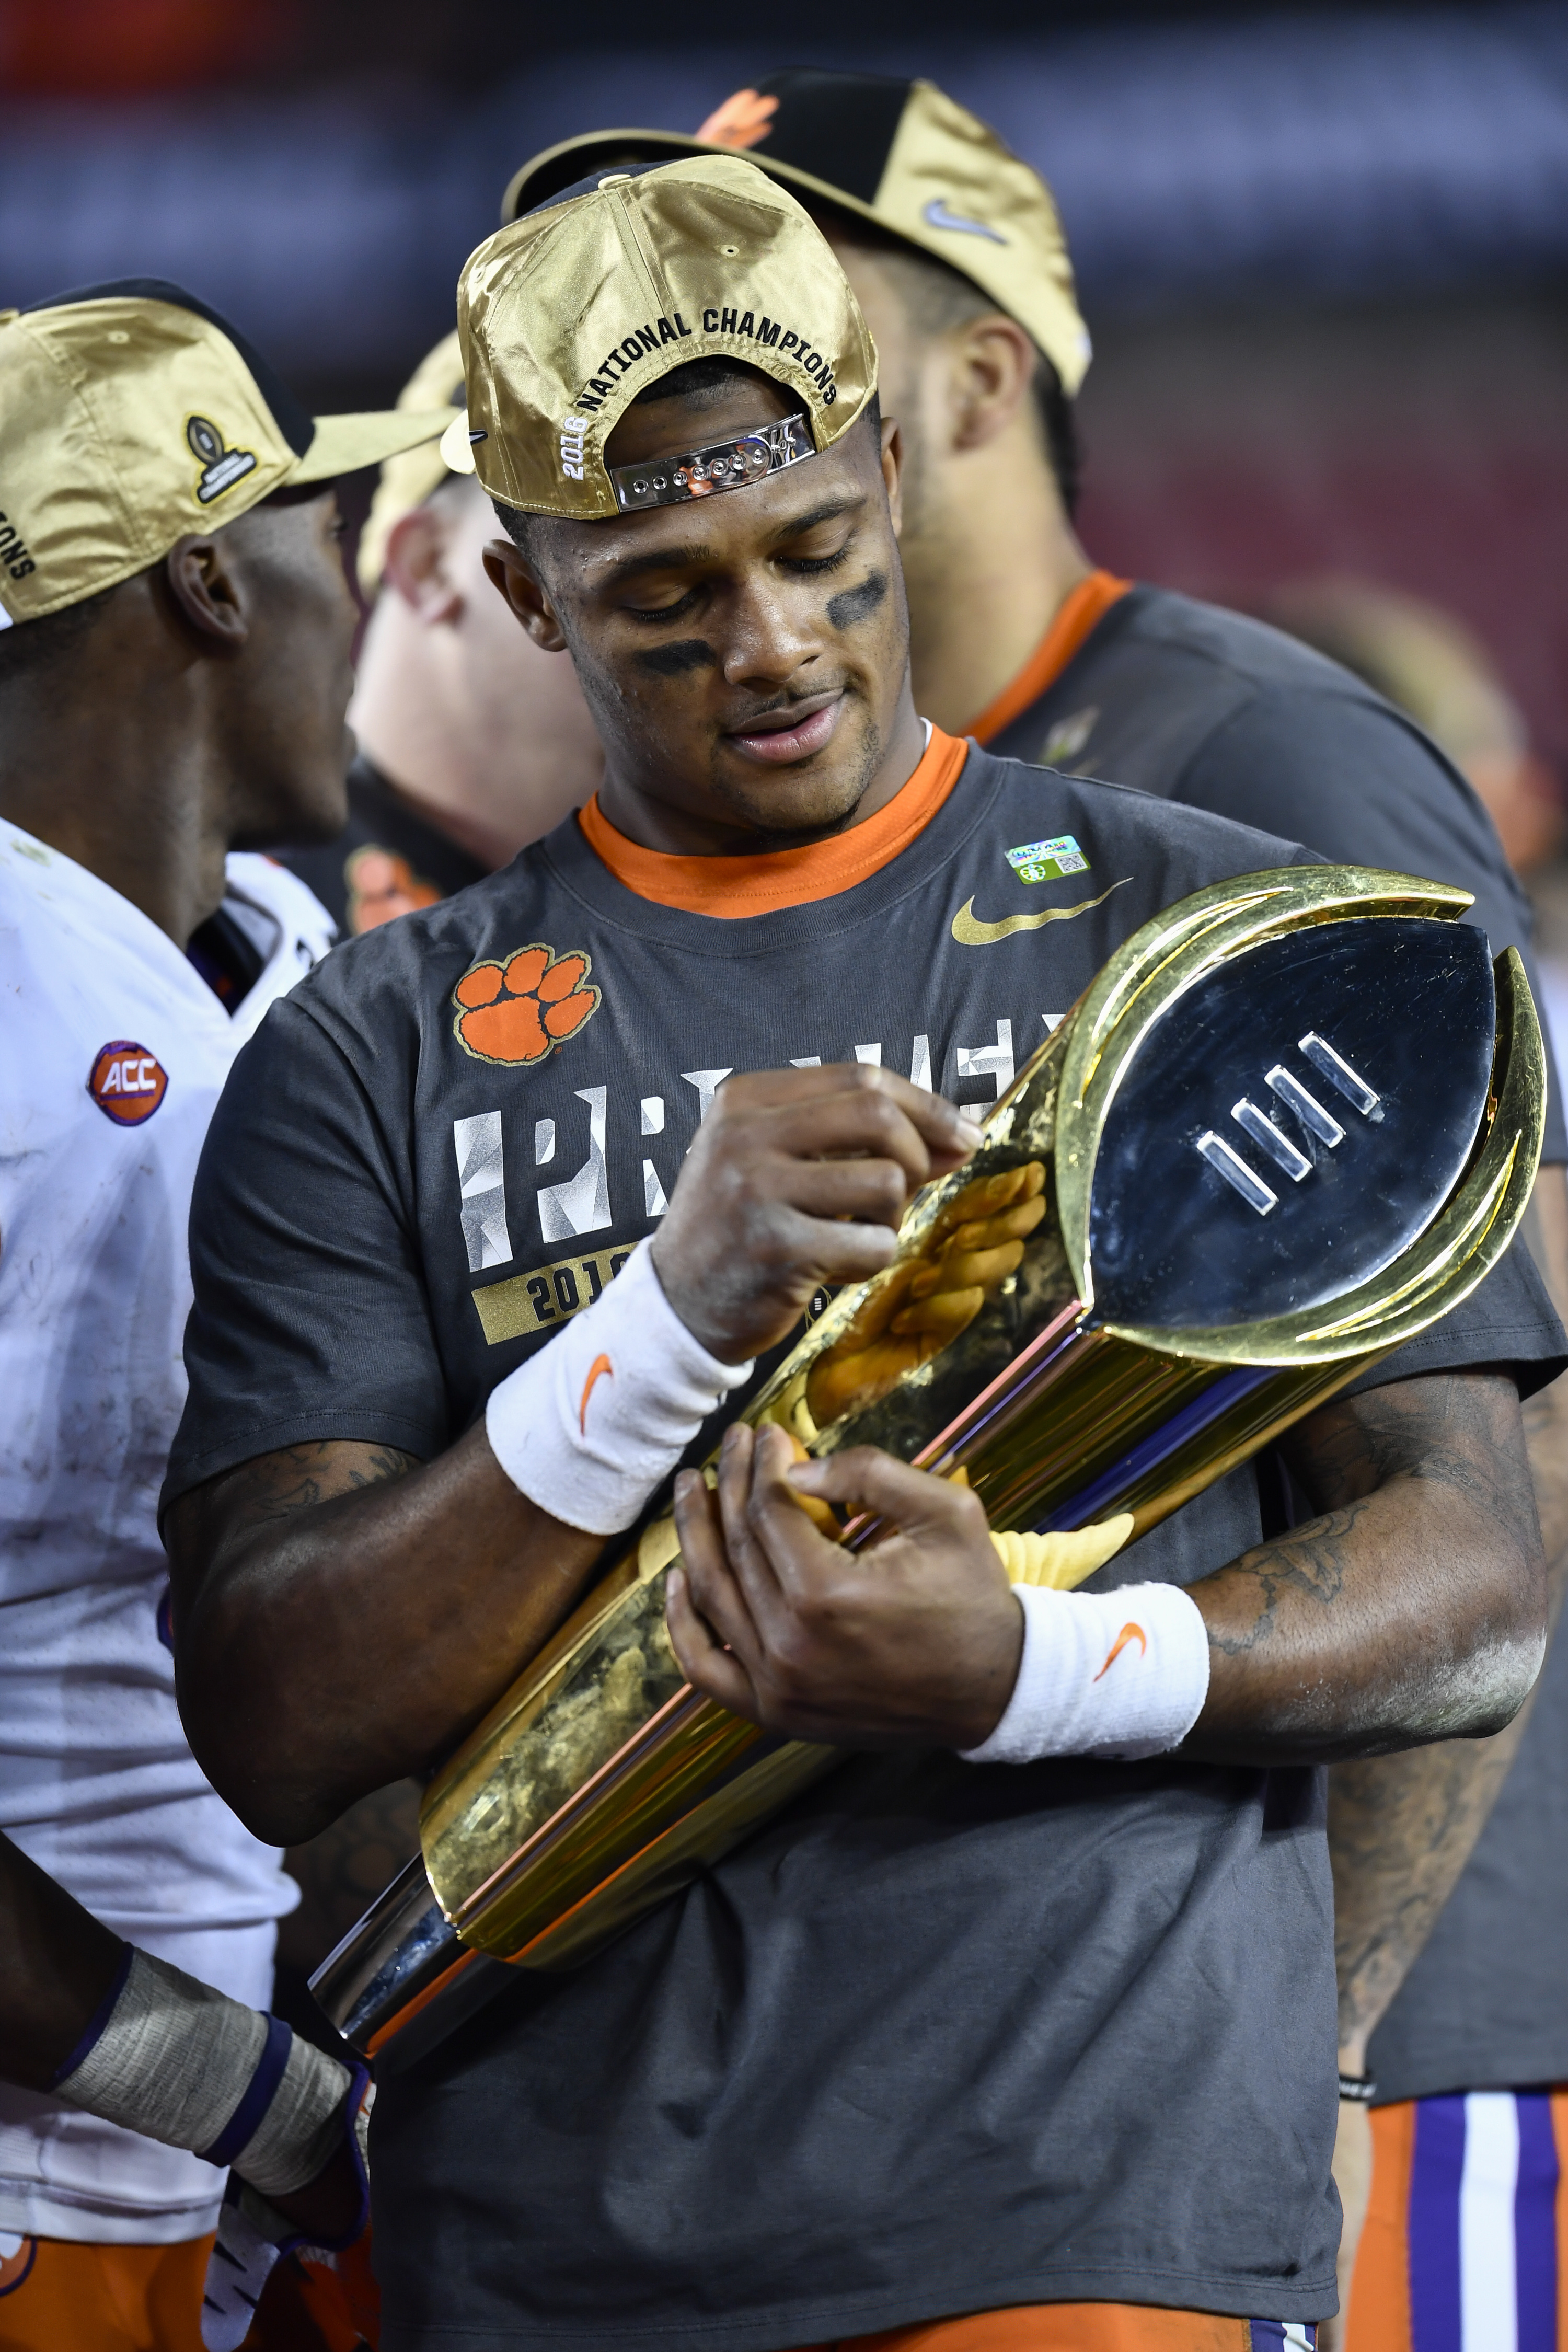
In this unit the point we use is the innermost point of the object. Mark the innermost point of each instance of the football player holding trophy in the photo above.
(875, 1884)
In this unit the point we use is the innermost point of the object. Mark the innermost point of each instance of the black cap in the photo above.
(898, 153)
(835, 128)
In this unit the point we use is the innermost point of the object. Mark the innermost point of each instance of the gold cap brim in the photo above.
(457, 449)
(343, 444)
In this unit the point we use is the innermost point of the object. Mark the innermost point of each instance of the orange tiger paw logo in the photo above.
(519, 1008)
(743, 121)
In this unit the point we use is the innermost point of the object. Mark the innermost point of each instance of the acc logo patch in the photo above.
(17, 2256)
(127, 1082)
(520, 1007)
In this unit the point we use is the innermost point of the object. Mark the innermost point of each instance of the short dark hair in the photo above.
(936, 298)
(30, 647)
(516, 522)
(699, 383)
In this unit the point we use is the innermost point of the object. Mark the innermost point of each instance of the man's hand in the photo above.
(797, 1179)
(343, 1614)
(913, 1641)
(1412, 1611)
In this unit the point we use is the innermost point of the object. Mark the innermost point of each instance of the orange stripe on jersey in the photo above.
(761, 885)
(1379, 2317)
(1061, 2328)
(1080, 613)
(1560, 2140)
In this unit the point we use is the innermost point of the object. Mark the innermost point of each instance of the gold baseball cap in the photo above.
(900, 153)
(569, 313)
(131, 414)
(408, 478)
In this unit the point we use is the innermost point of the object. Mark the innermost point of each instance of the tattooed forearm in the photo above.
(1412, 1610)
(297, 1477)
(343, 1614)
(1401, 1829)
(1439, 1429)
(1312, 1565)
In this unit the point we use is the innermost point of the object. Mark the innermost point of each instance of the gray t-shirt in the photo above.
(939, 2037)
(1219, 712)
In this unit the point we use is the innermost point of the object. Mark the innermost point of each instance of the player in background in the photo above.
(103, 2028)
(173, 677)
(1431, 665)
(1459, 2156)
(471, 742)
(1039, 2031)
(956, 254)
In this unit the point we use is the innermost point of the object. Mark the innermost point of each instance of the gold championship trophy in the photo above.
(1294, 1121)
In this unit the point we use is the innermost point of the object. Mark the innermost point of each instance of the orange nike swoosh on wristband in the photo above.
(1130, 1633)
(596, 1372)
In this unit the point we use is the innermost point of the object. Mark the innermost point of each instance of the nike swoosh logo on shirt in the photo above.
(971, 932)
(937, 215)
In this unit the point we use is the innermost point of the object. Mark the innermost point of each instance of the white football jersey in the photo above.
(112, 1052)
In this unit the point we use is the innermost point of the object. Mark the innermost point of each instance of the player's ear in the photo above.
(206, 584)
(528, 598)
(991, 368)
(893, 470)
(417, 566)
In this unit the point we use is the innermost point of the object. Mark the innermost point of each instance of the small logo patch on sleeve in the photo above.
(1047, 861)
(520, 1007)
(127, 1082)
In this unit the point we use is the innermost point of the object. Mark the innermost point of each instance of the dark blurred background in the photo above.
(1323, 252)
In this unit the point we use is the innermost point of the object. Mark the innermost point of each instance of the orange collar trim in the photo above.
(764, 884)
(1080, 613)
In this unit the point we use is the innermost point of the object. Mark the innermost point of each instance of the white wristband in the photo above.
(1119, 1674)
(590, 1426)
